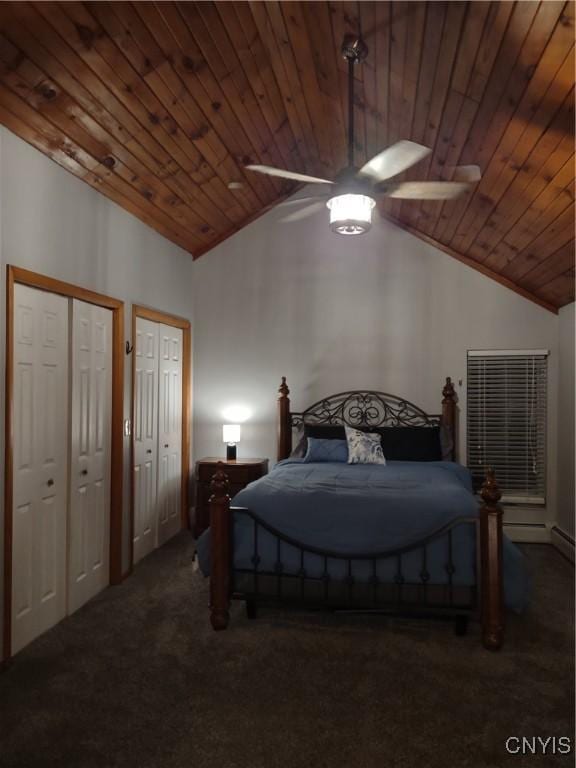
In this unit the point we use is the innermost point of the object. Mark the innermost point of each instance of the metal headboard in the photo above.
(365, 408)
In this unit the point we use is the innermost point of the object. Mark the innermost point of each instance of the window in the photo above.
(507, 422)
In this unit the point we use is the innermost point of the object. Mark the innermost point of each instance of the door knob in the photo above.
(149, 450)
(84, 472)
(50, 483)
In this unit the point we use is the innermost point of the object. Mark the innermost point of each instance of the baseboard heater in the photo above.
(528, 533)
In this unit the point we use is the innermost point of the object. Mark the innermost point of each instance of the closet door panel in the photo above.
(40, 448)
(146, 351)
(99, 535)
(23, 576)
(170, 432)
(90, 452)
(163, 496)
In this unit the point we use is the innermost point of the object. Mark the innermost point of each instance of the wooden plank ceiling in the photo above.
(159, 106)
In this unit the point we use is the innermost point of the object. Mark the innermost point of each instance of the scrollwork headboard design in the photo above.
(365, 408)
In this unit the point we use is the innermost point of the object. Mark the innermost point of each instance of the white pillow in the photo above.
(364, 447)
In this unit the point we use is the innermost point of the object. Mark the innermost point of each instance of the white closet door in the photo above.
(40, 449)
(89, 531)
(145, 436)
(169, 433)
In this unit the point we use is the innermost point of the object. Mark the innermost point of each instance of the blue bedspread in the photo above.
(359, 508)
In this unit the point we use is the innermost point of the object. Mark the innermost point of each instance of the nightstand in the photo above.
(240, 472)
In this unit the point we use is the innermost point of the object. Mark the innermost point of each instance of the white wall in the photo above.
(382, 311)
(52, 223)
(566, 389)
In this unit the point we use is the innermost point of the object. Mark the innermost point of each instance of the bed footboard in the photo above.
(447, 599)
(221, 551)
(492, 588)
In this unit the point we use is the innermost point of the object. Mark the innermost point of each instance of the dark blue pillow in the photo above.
(411, 443)
(325, 431)
(326, 450)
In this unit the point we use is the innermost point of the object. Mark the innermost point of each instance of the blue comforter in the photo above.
(367, 508)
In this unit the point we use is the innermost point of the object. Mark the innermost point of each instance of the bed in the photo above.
(409, 537)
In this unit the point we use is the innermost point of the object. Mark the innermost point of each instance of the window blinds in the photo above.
(506, 422)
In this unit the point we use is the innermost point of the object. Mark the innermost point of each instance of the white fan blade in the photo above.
(304, 213)
(394, 160)
(469, 173)
(427, 190)
(281, 173)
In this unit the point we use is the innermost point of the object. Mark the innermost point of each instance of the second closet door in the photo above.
(145, 436)
(169, 433)
(89, 530)
(157, 435)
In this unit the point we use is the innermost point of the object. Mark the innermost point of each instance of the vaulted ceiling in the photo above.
(160, 105)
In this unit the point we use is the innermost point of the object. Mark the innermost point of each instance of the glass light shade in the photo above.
(231, 433)
(350, 214)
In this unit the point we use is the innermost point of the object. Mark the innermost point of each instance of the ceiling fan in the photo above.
(354, 192)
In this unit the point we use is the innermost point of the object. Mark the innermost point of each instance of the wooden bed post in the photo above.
(220, 550)
(449, 415)
(492, 591)
(284, 423)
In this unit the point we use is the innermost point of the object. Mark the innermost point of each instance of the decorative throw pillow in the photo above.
(326, 450)
(364, 447)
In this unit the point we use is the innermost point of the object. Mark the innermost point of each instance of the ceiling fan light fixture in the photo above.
(350, 214)
(354, 195)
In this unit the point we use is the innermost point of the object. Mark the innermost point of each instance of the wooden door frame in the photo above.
(34, 280)
(157, 316)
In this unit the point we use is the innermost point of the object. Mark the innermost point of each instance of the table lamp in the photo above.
(231, 436)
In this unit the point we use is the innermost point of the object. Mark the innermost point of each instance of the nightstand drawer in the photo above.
(237, 474)
(240, 473)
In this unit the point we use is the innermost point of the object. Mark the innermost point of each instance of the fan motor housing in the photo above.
(348, 181)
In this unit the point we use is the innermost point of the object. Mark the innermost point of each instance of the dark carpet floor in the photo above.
(137, 679)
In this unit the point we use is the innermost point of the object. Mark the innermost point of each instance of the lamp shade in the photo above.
(231, 433)
(351, 214)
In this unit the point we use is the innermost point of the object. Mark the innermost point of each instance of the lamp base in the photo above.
(231, 452)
